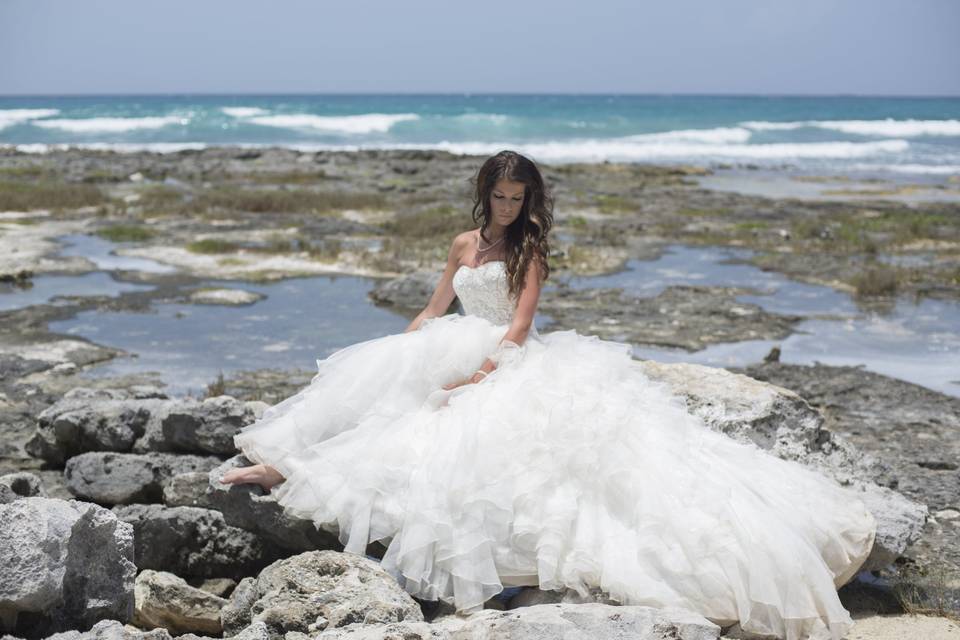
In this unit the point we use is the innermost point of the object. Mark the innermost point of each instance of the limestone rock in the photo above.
(91, 420)
(592, 621)
(66, 564)
(190, 541)
(317, 590)
(187, 490)
(207, 426)
(120, 478)
(112, 630)
(22, 484)
(783, 423)
(166, 600)
(248, 507)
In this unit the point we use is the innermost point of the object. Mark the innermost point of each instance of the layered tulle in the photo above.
(565, 468)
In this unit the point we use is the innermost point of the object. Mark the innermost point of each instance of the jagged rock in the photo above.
(248, 507)
(120, 478)
(592, 621)
(140, 421)
(235, 615)
(91, 420)
(191, 541)
(207, 426)
(22, 484)
(317, 590)
(783, 423)
(166, 600)
(66, 564)
(188, 490)
(112, 630)
(221, 587)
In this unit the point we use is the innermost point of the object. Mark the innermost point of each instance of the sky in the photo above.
(808, 47)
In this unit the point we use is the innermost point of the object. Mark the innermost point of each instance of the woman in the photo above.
(485, 455)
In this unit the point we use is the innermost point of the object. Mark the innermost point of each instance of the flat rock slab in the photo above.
(592, 621)
(686, 317)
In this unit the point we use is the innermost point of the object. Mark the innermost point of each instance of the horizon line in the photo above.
(477, 93)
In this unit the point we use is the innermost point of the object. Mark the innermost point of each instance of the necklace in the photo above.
(479, 250)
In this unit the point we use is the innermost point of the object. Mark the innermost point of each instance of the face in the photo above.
(506, 200)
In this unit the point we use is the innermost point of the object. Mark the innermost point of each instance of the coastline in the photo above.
(262, 216)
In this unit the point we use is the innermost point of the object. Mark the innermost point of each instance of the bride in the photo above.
(484, 454)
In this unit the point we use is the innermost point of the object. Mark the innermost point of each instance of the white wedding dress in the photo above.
(565, 468)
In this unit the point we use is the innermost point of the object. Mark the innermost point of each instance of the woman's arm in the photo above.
(443, 294)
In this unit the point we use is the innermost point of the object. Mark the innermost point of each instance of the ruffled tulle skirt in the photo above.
(567, 467)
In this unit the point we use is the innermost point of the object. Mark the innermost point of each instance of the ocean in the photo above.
(917, 138)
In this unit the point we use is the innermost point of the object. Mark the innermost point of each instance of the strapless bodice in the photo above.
(483, 291)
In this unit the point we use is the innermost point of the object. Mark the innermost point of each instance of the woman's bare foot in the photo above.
(261, 474)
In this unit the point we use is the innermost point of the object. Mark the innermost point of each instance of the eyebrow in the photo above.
(514, 195)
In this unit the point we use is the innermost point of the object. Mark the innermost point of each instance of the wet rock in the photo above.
(685, 317)
(166, 600)
(591, 621)
(248, 507)
(66, 564)
(121, 478)
(14, 486)
(229, 297)
(190, 541)
(322, 589)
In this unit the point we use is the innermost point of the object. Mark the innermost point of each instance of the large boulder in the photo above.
(141, 420)
(592, 621)
(66, 565)
(121, 478)
(195, 542)
(318, 590)
(783, 423)
(93, 420)
(209, 425)
(167, 601)
(249, 507)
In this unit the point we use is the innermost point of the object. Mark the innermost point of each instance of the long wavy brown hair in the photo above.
(526, 237)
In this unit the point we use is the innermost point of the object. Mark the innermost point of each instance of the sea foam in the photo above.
(354, 124)
(887, 127)
(10, 117)
(110, 125)
(720, 135)
(244, 112)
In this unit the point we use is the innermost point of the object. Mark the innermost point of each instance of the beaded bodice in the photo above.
(483, 291)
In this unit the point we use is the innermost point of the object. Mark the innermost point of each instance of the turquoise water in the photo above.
(867, 135)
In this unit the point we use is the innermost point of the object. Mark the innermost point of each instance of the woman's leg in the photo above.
(262, 474)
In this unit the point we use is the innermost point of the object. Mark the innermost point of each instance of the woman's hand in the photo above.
(474, 379)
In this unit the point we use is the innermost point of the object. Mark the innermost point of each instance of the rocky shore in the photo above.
(118, 480)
